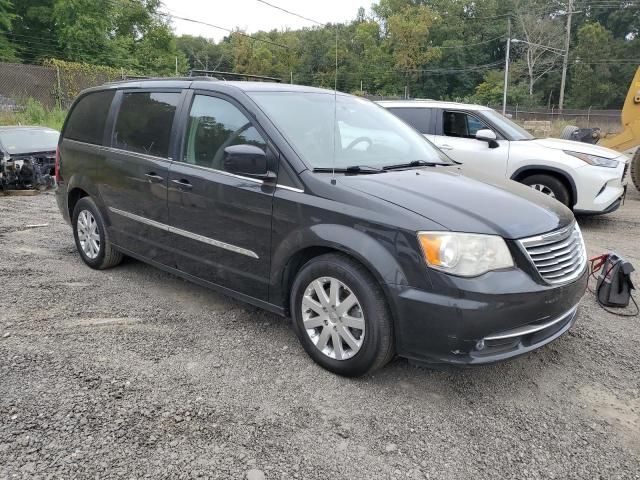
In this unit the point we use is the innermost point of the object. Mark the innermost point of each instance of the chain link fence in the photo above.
(48, 85)
(607, 120)
(19, 82)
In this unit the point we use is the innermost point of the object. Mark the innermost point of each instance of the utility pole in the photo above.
(506, 68)
(565, 59)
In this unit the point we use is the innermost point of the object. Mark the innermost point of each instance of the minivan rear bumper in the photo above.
(466, 327)
(61, 200)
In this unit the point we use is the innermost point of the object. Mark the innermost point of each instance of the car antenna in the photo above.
(335, 113)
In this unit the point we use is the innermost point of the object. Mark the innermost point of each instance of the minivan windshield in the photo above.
(28, 140)
(511, 130)
(366, 134)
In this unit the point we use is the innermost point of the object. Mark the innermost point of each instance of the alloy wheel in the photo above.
(333, 318)
(88, 234)
(543, 189)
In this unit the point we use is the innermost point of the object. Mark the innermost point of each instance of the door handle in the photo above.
(446, 147)
(153, 178)
(182, 184)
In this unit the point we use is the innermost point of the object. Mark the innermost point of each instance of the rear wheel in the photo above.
(549, 185)
(634, 169)
(92, 239)
(340, 316)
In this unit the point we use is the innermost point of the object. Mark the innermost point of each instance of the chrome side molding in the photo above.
(185, 233)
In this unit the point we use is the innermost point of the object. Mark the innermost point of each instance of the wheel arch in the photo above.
(526, 171)
(73, 196)
(287, 260)
(79, 186)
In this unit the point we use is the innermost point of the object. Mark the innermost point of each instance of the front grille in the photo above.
(559, 256)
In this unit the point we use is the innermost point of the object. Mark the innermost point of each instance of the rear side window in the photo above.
(87, 119)
(144, 122)
(418, 118)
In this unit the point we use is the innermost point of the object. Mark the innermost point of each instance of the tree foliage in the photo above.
(444, 49)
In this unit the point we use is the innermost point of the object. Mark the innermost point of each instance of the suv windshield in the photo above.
(366, 134)
(25, 140)
(511, 130)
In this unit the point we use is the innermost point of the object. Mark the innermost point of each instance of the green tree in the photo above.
(491, 90)
(594, 81)
(7, 49)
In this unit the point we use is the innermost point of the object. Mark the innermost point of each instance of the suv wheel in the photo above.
(340, 316)
(549, 186)
(92, 240)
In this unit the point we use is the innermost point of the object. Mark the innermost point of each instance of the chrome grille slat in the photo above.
(559, 257)
(554, 260)
(559, 266)
(552, 247)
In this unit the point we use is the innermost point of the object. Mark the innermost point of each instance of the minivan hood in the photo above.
(573, 146)
(466, 203)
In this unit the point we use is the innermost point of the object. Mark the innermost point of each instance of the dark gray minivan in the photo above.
(325, 208)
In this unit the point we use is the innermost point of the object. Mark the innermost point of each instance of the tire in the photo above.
(634, 169)
(567, 132)
(549, 185)
(102, 257)
(371, 310)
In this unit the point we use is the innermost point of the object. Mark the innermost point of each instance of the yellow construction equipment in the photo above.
(629, 138)
(626, 141)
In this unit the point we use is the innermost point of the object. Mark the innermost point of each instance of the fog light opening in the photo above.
(480, 345)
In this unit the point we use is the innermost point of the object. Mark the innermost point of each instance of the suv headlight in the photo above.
(464, 254)
(594, 159)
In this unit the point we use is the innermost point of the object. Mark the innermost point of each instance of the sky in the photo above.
(251, 15)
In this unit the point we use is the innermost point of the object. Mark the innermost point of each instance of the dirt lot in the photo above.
(134, 373)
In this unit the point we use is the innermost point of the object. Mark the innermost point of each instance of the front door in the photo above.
(458, 140)
(220, 222)
(134, 186)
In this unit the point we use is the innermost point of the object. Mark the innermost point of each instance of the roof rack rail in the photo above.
(232, 76)
(132, 79)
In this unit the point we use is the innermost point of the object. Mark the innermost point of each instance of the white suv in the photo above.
(586, 178)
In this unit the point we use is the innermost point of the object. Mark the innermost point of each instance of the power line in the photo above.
(235, 32)
(466, 45)
(291, 13)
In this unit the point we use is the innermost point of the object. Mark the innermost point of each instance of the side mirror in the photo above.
(488, 136)
(247, 160)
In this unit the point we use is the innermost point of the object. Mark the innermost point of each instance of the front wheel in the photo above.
(341, 317)
(92, 239)
(549, 186)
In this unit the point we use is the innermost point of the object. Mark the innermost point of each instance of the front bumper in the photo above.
(470, 324)
(601, 190)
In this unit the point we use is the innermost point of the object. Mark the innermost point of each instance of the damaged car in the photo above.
(27, 158)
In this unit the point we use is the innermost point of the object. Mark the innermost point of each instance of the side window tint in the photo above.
(144, 122)
(416, 117)
(460, 124)
(474, 125)
(215, 124)
(88, 118)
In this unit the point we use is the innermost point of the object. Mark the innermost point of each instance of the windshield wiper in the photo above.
(415, 163)
(353, 169)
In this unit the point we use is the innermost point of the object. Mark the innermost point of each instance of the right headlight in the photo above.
(594, 159)
(464, 254)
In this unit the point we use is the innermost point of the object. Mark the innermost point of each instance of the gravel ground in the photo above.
(134, 373)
